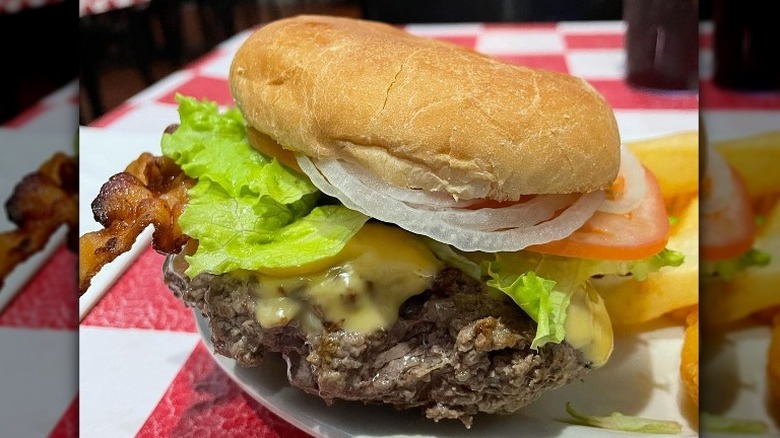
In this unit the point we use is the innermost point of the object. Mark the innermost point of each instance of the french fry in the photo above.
(689, 363)
(673, 159)
(755, 158)
(751, 290)
(672, 292)
(632, 302)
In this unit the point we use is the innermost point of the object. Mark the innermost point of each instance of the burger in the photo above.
(406, 222)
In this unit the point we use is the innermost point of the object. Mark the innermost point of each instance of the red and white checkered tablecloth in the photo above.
(144, 370)
(38, 325)
(727, 113)
(14, 6)
(93, 7)
(54, 114)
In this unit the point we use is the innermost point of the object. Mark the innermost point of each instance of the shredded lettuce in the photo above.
(624, 423)
(716, 423)
(729, 268)
(247, 210)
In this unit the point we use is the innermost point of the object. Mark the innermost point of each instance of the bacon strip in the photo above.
(40, 203)
(151, 191)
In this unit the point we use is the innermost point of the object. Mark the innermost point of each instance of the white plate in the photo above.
(738, 364)
(23, 152)
(641, 378)
(104, 153)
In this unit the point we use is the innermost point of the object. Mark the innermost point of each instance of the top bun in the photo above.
(421, 113)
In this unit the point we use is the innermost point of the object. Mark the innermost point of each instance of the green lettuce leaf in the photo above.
(214, 146)
(639, 269)
(257, 232)
(454, 258)
(542, 284)
(625, 423)
(734, 426)
(247, 210)
(727, 269)
(538, 298)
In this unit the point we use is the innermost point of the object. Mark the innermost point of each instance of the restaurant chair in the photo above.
(123, 34)
(443, 11)
(218, 17)
(34, 65)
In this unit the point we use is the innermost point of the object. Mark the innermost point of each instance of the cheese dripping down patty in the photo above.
(588, 326)
(362, 288)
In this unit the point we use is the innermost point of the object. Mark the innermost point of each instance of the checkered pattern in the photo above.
(92, 7)
(14, 6)
(141, 356)
(54, 114)
(715, 98)
(40, 322)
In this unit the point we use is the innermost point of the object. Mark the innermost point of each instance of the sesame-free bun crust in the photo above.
(422, 113)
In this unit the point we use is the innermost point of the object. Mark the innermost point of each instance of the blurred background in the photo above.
(39, 48)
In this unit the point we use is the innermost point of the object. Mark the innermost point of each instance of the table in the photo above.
(38, 318)
(730, 114)
(55, 114)
(140, 342)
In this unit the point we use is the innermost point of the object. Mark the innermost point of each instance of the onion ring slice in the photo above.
(333, 180)
(411, 196)
(633, 188)
(718, 185)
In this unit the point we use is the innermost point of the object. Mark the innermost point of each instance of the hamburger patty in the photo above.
(453, 352)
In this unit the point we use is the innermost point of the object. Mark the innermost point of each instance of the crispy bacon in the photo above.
(41, 203)
(151, 191)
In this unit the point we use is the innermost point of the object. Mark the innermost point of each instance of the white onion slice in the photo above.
(333, 180)
(530, 213)
(526, 214)
(634, 186)
(718, 177)
(419, 197)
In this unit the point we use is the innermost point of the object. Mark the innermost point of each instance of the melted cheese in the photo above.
(588, 327)
(268, 146)
(360, 289)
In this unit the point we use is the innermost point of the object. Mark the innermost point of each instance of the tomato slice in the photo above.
(730, 231)
(607, 236)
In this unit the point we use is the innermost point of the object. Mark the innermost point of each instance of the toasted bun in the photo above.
(422, 113)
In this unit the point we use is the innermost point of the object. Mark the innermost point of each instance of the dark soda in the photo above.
(662, 43)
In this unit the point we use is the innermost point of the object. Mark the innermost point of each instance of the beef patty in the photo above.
(454, 351)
